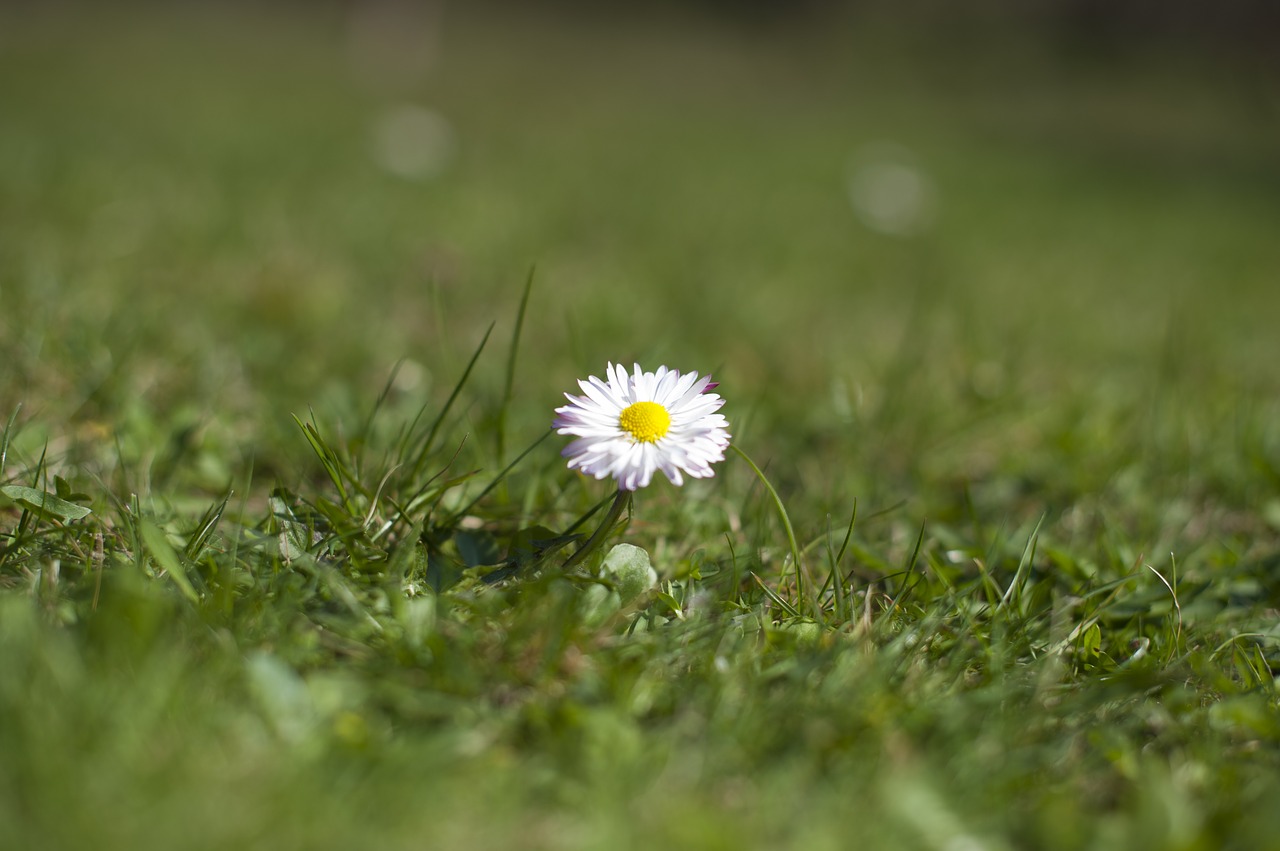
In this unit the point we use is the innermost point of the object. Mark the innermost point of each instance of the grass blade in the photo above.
(328, 458)
(208, 523)
(8, 433)
(462, 512)
(158, 546)
(425, 451)
(509, 379)
(803, 585)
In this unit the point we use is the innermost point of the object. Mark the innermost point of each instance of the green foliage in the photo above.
(1002, 572)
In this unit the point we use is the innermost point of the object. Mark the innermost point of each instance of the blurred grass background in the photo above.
(906, 236)
(999, 264)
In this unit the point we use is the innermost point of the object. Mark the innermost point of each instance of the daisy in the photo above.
(631, 425)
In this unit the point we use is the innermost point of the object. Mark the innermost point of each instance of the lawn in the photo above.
(288, 296)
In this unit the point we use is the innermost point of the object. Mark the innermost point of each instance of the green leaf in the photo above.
(1091, 641)
(45, 504)
(630, 571)
(293, 537)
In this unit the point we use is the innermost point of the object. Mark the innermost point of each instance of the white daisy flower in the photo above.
(631, 425)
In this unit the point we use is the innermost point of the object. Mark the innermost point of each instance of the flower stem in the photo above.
(606, 526)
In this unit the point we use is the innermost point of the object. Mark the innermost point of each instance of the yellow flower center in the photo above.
(645, 421)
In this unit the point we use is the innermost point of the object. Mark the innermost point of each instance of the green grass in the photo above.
(1028, 457)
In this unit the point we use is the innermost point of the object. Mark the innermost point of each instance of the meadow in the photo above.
(288, 295)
